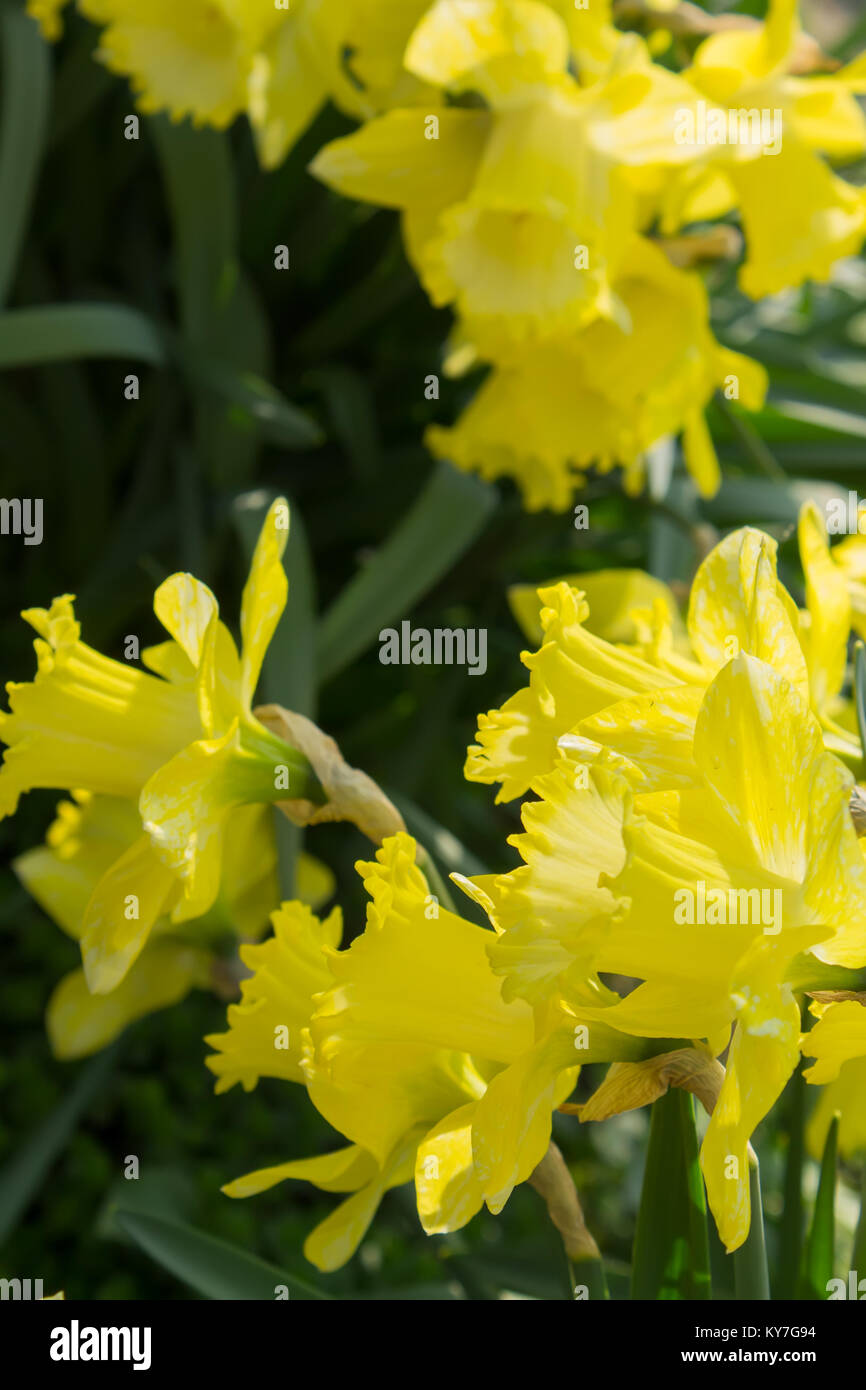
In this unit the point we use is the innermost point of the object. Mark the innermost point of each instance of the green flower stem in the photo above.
(671, 1245)
(751, 1276)
(858, 1258)
(791, 1233)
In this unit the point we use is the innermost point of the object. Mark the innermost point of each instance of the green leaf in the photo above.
(820, 1247)
(23, 1175)
(353, 418)
(759, 499)
(199, 180)
(66, 332)
(440, 526)
(858, 1257)
(751, 1275)
(23, 118)
(210, 1266)
(276, 419)
(791, 1226)
(671, 1246)
(827, 417)
(750, 441)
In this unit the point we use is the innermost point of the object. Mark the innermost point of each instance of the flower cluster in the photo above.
(691, 872)
(543, 162)
(690, 837)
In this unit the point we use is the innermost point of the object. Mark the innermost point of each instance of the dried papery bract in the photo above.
(350, 794)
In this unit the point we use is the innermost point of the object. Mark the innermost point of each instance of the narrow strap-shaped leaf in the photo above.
(278, 421)
(750, 441)
(858, 1258)
(787, 1282)
(68, 332)
(671, 1246)
(440, 526)
(751, 1274)
(820, 1247)
(210, 1266)
(25, 85)
(199, 181)
(23, 1175)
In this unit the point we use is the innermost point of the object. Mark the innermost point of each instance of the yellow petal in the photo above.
(346, 1170)
(800, 219)
(264, 596)
(85, 720)
(842, 1096)
(81, 845)
(756, 743)
(188, 60)
(762, 1056)
(185, 608)
(551, 911)
(47, 14)
(829, 608)
(456, 37)
(837, 1038)
(512, 1126)
(390, 162)
(446, 1184)
(737, 604)
(80, 1023)
(286, 89)
(612, 596)
(123, 908)
(265, 1036)
(335, 1240)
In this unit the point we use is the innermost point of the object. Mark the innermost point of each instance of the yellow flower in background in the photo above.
(838, 1044)
(601, 398)
(519, 213)
(82, 844)
(799, 218)
(183, 743)
(849, 557)
(214, 60)
(48, 15)
(766, 841)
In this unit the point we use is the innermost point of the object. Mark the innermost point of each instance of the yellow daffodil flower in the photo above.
(520, 213)
(397, 1039)
(798, 216)
(604, 396)
(82, 844)
(183, 742)
(602, 693)
(768, 838)
(411, 1050)
(838, 1044)
(214, 60)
